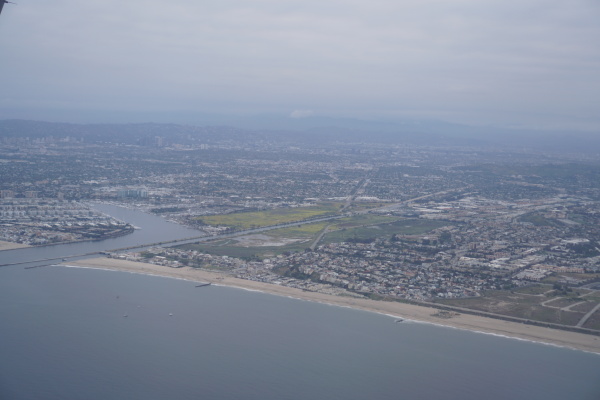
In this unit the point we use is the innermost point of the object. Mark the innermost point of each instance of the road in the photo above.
(318, 239)
(587, 316)
(197, 239)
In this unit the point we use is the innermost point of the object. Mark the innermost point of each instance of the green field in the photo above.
(233, 248)
(537, 220)
(257, 219)
(386, 230)
(361, 220)
(301, 231)
(357, 227)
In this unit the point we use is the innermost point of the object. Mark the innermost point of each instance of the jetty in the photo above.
(39, 266)
(204, 284)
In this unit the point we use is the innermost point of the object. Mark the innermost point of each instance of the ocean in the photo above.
(74, 333)
(71, 333)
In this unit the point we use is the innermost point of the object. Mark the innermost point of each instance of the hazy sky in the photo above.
(529, 63)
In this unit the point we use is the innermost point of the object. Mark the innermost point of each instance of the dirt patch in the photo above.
(10, 246)
(260, 240)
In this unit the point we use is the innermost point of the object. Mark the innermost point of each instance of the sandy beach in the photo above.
(399, 310)
(9, 245)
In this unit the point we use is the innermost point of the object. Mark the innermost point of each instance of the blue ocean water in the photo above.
(64, 335)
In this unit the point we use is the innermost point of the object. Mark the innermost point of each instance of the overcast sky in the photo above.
(533, 63)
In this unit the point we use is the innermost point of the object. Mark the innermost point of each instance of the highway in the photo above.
(205, 238)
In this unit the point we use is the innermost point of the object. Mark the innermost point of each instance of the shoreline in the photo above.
(409, 312)
(12, 246)
(4, 245)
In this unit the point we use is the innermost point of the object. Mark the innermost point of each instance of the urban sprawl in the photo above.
(511, 232)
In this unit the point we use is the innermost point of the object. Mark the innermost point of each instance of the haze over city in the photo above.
(527, 64)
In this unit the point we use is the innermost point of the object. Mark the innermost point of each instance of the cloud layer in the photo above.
(527, 62)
